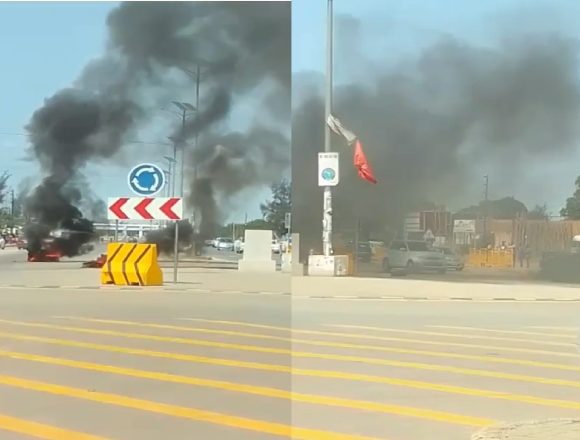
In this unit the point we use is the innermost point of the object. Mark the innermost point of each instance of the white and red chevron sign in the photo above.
(145, 208)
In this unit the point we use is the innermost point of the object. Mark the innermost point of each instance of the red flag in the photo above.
(362, 165)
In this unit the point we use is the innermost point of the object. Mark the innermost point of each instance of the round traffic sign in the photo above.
(328, 174)
(146, 179)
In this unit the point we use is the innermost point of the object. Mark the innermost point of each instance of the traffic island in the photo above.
(552, 429)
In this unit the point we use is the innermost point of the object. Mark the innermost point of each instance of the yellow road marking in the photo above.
(511, 332)
(565, 329)
(326, 343)
(401, 382)
(177, 411)
(451, 335)
(284, 368)
(39, 430)
(438, 416)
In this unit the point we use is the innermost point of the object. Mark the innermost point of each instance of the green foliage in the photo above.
(4, 186)
(274, 210)
(506, 208)
(539, 212)
(572, 208)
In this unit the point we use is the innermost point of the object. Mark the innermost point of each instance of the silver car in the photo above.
(224, 244)
(413, 257)
(454, 261)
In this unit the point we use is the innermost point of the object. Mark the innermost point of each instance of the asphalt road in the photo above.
(159, 365)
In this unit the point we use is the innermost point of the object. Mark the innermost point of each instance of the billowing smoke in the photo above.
(165, 238)
(243, 47)
(231, 163)
(433, 125)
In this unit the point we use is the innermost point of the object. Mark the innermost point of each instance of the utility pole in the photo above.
(12, 203)
(327, 201)
(485, 203)
(197, 76)
(182, 141)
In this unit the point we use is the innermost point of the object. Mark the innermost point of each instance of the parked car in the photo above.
(239, 246)
(454, 261)
(413, 257)
(364, 252)
(224, 244)
(275, 246)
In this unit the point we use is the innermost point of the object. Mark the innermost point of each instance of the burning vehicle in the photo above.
(51, 246)
(47, 252)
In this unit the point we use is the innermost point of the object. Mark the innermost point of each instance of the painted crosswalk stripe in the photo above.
(41, 431)
(399, 382)
(427, 414)
(452, 335)
(568, 354)
(177, 411)
(504, 331)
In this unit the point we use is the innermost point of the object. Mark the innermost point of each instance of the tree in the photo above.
(506, 208)
(572, 208)
(4, 186)
(274, 211)
(539, 212)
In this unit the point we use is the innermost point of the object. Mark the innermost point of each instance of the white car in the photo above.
(224, 244)
(276, 246)
(239, 246)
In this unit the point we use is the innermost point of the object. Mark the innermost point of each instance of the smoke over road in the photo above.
(429, 125)
(243, 48)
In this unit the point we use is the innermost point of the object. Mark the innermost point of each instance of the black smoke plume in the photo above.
(433, 125)
(165, 238)
(243, 48)
(231, 163)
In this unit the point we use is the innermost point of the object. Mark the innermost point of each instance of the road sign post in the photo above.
(145, 208)
(328, 176)
(146, 179)
(149, 208)
(176, 252)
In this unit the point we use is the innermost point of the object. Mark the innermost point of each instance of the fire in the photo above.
(49, 252)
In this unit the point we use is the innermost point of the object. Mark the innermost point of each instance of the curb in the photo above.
(384, 298)
(145, 289)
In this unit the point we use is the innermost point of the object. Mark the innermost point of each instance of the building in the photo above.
(129, 229)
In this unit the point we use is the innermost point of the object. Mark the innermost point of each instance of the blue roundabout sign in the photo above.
(146, 179)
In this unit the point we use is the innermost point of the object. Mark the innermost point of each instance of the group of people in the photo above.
(521, 253)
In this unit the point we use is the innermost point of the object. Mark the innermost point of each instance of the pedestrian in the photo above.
(524, 255)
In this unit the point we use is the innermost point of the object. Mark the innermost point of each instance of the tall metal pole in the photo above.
(327, 204)
(197, 80)
(485, 194)
(174, 164)
(176, 252)
(182, 142)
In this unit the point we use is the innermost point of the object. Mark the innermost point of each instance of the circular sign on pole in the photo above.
(328, 169)
(328, 174)
(146, 179)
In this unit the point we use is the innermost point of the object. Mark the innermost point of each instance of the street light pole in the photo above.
(185, 109)
(197, 80)
(327, 203)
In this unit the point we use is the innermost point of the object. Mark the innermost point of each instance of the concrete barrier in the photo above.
(257, 252)
(131, 264)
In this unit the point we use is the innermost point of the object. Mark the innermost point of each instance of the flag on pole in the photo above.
(361, 163)
(336, 126)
